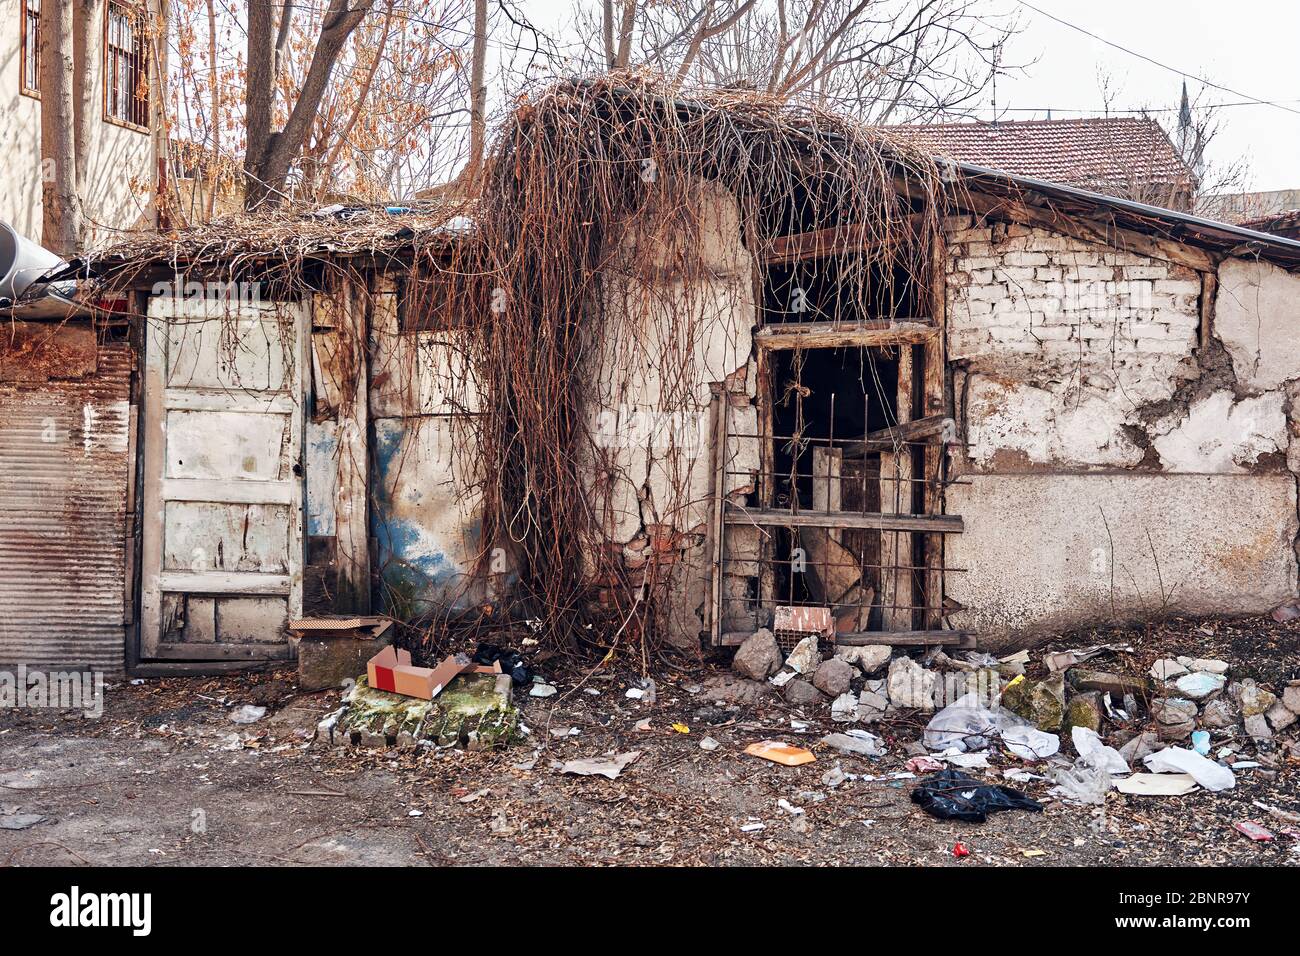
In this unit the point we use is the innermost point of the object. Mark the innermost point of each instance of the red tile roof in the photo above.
(1107, 155)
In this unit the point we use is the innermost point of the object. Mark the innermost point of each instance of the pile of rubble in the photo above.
(1181, 701)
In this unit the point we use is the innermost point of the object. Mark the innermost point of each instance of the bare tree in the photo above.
(63, 223)
(880, 60)
(269, 154)
(477, 94)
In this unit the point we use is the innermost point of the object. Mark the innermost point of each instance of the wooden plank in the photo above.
(965, 639)
(887, 439)
(228, 400)
(224, 582)
(224, 652)
(896, 497)
(351, 501)
(776, 518)
(229, 491)
(820, 335)
(720, 415)
(154, 438)
(935, 405)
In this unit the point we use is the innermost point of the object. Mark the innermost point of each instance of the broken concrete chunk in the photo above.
(1291, 698)
(800, 693)
(1140, 747)
(1257, 727)
(1204, 665)
(868, 658)
(1042, 703)
(1279, 718)
(1107, 682)
(1256, 700)
(1200, 684)
(1219, 714)
(844, 708)
(805, 657)
(1167, 669)
(871, 706)
(759, 657)
(832, 677)
(1084, 711)
(910, 686)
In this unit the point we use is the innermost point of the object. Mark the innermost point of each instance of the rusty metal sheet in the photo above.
(64, 471)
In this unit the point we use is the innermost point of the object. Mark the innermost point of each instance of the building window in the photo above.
(126, 67)
(31, 48)
(430, 301)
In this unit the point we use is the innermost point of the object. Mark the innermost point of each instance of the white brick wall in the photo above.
(1018, 291)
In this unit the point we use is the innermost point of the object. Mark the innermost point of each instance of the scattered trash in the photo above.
(1206, 772)
(1030, 743)
(845, 708)
(976, 761)
(953, 795)
(1031, 854)
(1082, 783)
(634, 693)
(708, 743)
(1090, 747)
(959, 850)
(420, 813)
(1157, 784)
(1063, 660)
(610, 767)
(1201, 742)
(248, 714)
(681, 728)
(788, 807)
(1253, 830)
(968, 724)
(643, 724)
(1287, 816)
(923, 765)
(541, 690)
(777, 752)
(752, 827)
(860, 742)
(834, 777)
(565, 731)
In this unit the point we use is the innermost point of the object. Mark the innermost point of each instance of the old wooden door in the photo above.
(222, 551)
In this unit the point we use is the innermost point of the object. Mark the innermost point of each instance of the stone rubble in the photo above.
(1181, 701)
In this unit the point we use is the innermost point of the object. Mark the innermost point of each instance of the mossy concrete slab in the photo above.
(474, 711)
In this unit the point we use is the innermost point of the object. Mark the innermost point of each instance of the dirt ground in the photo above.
(166, 778)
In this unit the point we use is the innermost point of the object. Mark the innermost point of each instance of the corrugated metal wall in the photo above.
(64, 469)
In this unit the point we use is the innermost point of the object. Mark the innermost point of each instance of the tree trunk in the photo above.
(477, 95)
(86, 96)
(62, 225)
(269, 155)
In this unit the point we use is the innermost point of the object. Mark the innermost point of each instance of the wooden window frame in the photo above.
(141, 68)
(24, 20)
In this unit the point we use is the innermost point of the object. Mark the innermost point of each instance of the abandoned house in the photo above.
(690, 362)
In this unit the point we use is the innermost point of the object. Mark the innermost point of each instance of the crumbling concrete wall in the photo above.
(1126, 440)
(678, 326)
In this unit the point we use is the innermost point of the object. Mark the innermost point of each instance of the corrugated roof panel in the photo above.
(63, 479)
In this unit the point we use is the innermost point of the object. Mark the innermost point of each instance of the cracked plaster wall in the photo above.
(1116, 465)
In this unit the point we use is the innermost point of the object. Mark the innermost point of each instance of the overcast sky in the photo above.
(1249, 46)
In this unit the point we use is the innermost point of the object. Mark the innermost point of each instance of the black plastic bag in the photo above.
(953, 795)
(511, 662)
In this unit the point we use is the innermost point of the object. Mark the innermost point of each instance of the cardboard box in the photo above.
(379, 669)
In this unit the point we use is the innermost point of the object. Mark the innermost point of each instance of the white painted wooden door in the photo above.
(222, 552)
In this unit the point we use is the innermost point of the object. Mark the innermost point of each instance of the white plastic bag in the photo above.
(1097, 754)
(1207, 773)
(1030, 743)
(968, 724)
